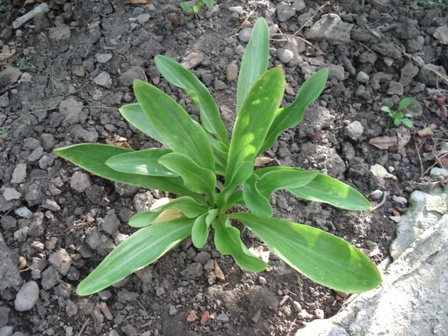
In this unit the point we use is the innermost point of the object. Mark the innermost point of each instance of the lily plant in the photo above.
(215, 181)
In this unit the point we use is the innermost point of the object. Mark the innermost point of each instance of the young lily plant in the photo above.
(215, 179)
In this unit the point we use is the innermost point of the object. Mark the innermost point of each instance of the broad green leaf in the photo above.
(184, 79)
(255, 61)
(186, 205)
(254, 120)
(320, 256)
(284, 179)
(291, 115)
(93, 157)
(181, 133)
(198, 179)
(134, 115)
(397, 121)
(386, 109)
(141, 249)
(405, 102)
(407, 122)
(324, 189)
(220, 152)
(255, 201)
(245, 171)
(143, 162)
(228, 241)
(200, 230)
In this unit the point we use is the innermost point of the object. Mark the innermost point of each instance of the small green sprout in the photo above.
(190, 10)
(398, 116)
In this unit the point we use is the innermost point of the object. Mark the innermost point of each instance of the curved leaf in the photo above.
(181, 133)
(228, 241)
(141, 249)
(291, 115)
(93, 157)
(284, 179)
(322, 257)
(255, 201)
(134, 115)
(184, 79)
(255, 61)
(254, 120)
(144, 162)
(199, 232)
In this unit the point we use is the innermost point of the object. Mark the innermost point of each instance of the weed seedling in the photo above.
(190, 10)
(398, 115)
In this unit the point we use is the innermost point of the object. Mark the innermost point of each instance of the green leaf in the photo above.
(255, 61)
(254, 200)
(93, 157)
(186, 205)
(143, 162)
(184, 79)
(186, 8)
(198, 179)
(407, 122)
(141, 249)
(134, 115)
(405, 102)
(254, 120)
(181, 133)
(322, 188)
(228, 241)
(291, 115)
(320, 256)
(397, 121)
(386, 109)
(199, 233)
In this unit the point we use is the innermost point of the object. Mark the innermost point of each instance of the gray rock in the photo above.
(331, 28)
(387, 49)
(47, 141)
(103, 58)
(9, 274)
(59, 33)
(408, 72)
(362, 77)
(27, 296)
(172, 311)
(192, 60)
(19, 173)
(438, 173)
(6, 331)
(61, 261)
(395, 306)
(441, 33)
(49, 278)
(70, 109)
(11, 194)
(237, 9)
(212, 11)
(193, 271)
(80, 181)
(285, 12)
(336, 72)
(428, 74)
(143, 18)
(133, 73)
(103, 79)
(395, 88)
(110, 223)
(245, 34)
(143, 201)
(285, 55)
(299, 5)
(415, 45)
(24, 212)
(223, 318)
(99, 242)
(4, 100)
(354, 130)
(51, 205)
(4, 316)
(8, 222)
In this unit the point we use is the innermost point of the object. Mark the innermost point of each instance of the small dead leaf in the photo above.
(262, 161)
(204, 317)
(135, 2)
(28, 2)
(404, 136)
(425, 132)
(118, 141)
(384, 142)
(192, 316)
(396, 212)
(22, 263)
(218, 272)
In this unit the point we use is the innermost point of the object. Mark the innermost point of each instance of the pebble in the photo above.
(51, 205)
(103, 79)
(212, 11)
(297, 306)
(336, 72)
(209, 265)
(80, 181)
(395, 88)
(223, 318)
(11, 194)
(237, 9)
(6, 331)
(172, 311)
(285, 55)
(143, 18)
(232, 72)
(19, 174)
(135, 72)
(262, 280)
(285, 12)
(362, 77)
(354, 130)
(245, 34)
(27, 296)
(376, 194)
(438, 173)
(24, 212)
(319, 313)
(192, 60)
(61, 260)
(79, 71)
(103, 58)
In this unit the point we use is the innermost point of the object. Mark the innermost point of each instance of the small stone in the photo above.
(143, 18)
(160, 291)
(49, 278)
(441, 33)
(6, 331)
(110, 223)
(19, 174)
(362, 77)
(79, 71)
(103, 58)
(80, 181)
(27, 296)
(319, 313)
(192, 60)
(61, 261)
(297, 306)
(438, 173)
(400, 200)
(232, 72)
(376, 194)
(172, 311)
(47, 141)
(285, 12)
(223, 318)
(331, 28)
(285, 55)
(354, 130)
(395, 88)
(4, 100)
(336, 72)
(212, 11)
(24, 212)
(127, 78)
(237, 9)
(192, 316)
(11, 194)
(262, 280)
(209, 265)
(245, 34)
(103, 79)
(51, 205)
(219, 85)
(59, 33)
(299, 5)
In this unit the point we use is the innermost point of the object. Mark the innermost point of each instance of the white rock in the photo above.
(245, 34)
(376, 194)
(438, 173)
(27, 296)
(237, 9)
(11, 194)
(285, 55)
(362, 77)
(354, 130)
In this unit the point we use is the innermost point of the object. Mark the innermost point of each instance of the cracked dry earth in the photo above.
(65, 72)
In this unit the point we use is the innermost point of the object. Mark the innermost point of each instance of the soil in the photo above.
(75, 65)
